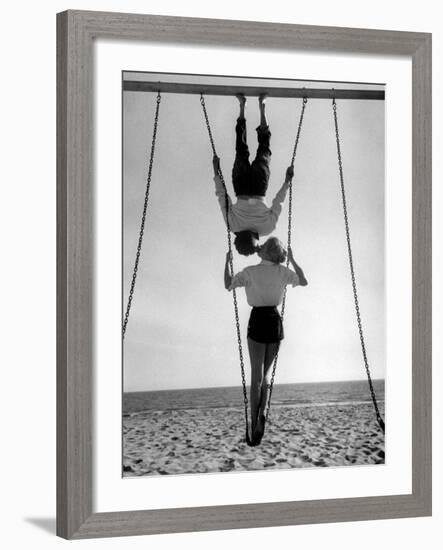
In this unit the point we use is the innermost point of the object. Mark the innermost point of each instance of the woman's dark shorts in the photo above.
(265, 325)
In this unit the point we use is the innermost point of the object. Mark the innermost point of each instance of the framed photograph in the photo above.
(244, 274)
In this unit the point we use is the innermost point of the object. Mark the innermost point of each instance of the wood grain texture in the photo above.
(211, 518)
(74, 277)
(194, 30)
(62, 364)
(422, 272)
(76, 31)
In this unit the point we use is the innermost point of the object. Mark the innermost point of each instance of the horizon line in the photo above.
(238, 385)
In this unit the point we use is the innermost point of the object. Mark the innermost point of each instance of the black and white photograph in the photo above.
(253, 263)
(221, 297)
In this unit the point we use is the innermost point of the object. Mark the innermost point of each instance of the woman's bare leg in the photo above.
(257, 356)
(270, 353)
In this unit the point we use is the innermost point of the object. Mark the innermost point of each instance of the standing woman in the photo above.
(264, 285)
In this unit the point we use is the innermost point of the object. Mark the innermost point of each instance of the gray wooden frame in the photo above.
(76, 31)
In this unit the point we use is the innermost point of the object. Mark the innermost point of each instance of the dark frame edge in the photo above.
(75, 520)
(62, 520)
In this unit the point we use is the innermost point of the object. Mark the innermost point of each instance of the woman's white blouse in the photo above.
(265, 283)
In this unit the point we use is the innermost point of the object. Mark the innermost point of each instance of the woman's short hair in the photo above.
(246, 242)
(274, 250)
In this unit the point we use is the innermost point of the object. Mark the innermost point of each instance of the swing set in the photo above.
(303, 94)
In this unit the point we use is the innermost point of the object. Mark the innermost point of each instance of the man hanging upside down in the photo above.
(250, 217)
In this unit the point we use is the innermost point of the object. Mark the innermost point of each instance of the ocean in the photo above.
(317, 393)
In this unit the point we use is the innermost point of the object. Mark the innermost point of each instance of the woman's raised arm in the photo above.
(297, 268)
(227, 275)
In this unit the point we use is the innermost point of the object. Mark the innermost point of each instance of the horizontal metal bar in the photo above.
(230, 90)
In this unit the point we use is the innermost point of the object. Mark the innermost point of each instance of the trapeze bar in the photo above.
(217, 89)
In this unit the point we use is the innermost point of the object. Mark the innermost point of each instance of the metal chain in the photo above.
(231, 269)
(143, 220)
(282, 314)
(351, 266)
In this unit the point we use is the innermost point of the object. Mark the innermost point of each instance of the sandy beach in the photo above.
(212, 440)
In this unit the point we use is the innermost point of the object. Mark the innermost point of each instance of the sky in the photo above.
(181, 331)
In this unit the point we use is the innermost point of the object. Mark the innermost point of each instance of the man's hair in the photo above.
(244, 242)
(275, 250)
